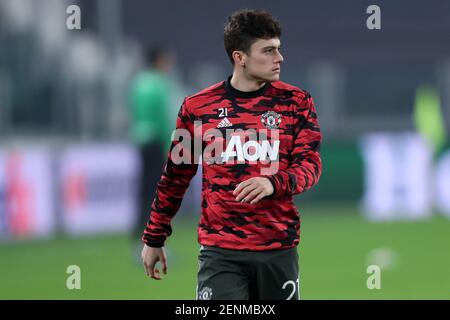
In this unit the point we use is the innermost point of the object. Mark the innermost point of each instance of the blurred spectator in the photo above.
(428, 117)
(151, 124)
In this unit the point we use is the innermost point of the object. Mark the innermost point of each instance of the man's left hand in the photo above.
(253, 190)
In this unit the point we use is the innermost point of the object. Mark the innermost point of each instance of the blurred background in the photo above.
(77, 79)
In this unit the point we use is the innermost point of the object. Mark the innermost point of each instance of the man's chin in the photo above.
(272, 78)
(268, 78)
(276, 78)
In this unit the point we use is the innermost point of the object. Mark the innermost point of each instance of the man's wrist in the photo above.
(153, 244)
(272, 182)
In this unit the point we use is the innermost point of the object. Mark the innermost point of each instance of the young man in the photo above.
(260, 141)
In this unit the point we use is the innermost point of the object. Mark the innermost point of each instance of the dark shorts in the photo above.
(247, 275)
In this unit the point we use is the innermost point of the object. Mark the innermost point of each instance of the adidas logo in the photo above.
(224, 123)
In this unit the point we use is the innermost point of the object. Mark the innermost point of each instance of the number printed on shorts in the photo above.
(291, 284)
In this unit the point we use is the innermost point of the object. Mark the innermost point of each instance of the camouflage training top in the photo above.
(272, 132)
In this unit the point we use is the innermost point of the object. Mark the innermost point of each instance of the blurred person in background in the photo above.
(249, 228)
(151, 103)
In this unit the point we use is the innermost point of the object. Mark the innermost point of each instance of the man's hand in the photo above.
(150, 256)
(253, 190)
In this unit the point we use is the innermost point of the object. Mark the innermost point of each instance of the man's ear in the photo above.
(239, 58)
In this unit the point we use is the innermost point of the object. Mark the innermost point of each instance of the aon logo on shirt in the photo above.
(251, 150)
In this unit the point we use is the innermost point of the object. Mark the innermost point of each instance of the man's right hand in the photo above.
(150, 256)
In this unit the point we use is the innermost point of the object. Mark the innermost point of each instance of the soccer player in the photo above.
(260, 141)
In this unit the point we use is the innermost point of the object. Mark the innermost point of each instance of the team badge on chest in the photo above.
(271, 120)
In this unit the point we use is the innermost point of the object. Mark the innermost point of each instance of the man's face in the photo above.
(264, 60)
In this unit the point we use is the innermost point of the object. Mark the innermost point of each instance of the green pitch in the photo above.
(337, 245)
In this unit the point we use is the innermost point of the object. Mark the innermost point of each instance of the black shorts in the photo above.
(247, 275)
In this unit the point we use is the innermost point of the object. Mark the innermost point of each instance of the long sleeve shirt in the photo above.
(272, 132)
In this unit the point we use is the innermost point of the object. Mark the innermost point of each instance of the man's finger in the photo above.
(149, 267)
(258, 198)
(246, 191)
(152, 273)
(146, 270)
(253, 194)
(164, 265)
(241, 186)
(156, 275)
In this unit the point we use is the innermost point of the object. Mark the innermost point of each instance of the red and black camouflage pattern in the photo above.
(274, 222)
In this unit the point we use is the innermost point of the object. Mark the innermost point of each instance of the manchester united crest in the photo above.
(205, 294)
(271, 120)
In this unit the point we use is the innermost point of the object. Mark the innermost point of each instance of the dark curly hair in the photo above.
(246, 26)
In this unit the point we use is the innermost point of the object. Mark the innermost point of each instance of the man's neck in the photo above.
(242, 83)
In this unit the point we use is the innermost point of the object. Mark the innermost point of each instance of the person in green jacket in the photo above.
(151, 125)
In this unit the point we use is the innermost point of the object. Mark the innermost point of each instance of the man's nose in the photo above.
(279, 58)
